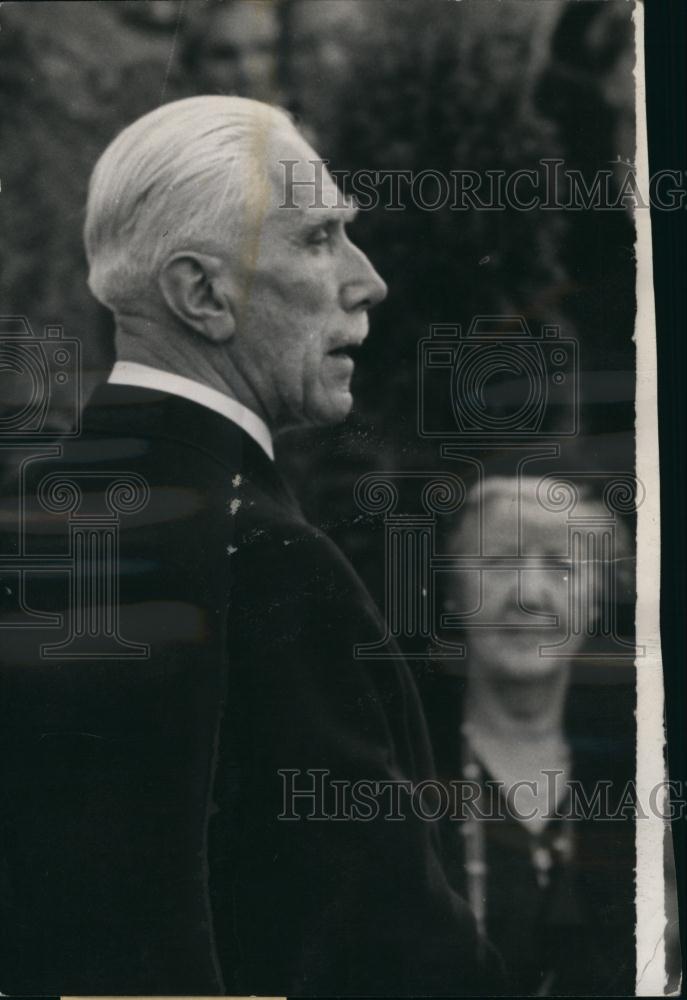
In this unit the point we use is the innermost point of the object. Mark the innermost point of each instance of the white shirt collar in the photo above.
(146, 377)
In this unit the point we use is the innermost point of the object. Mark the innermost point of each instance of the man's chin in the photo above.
(323, 414)
(334, 411)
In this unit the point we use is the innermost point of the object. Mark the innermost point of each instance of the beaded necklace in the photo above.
(544, 857)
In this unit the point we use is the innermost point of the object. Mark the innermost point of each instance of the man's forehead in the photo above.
(303, 181)
(313, 192)
(320, 214)
(295, 222)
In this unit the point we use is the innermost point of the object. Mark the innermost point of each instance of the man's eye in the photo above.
(320, 236)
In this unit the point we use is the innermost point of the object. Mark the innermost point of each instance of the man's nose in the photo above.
(361, 287)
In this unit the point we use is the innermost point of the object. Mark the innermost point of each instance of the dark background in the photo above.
(380, 85)
(666, 34)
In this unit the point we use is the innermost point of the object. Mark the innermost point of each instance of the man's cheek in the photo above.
(314, 293)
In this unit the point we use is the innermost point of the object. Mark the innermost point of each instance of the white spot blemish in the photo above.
(231, 549)
(234, 505)
(237, 479)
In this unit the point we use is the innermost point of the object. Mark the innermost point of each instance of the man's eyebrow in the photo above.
(322, 216)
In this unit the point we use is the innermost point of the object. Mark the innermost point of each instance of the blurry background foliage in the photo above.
(376, 84)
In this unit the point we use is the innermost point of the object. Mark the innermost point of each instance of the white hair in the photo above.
(172, 181)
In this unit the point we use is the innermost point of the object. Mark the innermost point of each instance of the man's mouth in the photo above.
(345, 352)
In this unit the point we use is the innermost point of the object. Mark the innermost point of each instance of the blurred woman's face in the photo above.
(515, 616)
(239, 53)
(322, 37)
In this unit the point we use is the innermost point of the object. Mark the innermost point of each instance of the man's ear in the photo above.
(197, 290)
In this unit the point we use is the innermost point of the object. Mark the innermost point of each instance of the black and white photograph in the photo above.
(330, 660)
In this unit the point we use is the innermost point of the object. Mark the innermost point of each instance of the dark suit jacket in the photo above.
(143, 849)
(576, 935)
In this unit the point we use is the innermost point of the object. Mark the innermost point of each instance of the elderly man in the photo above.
(164, 856)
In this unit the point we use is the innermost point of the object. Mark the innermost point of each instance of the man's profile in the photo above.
(166, 868)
